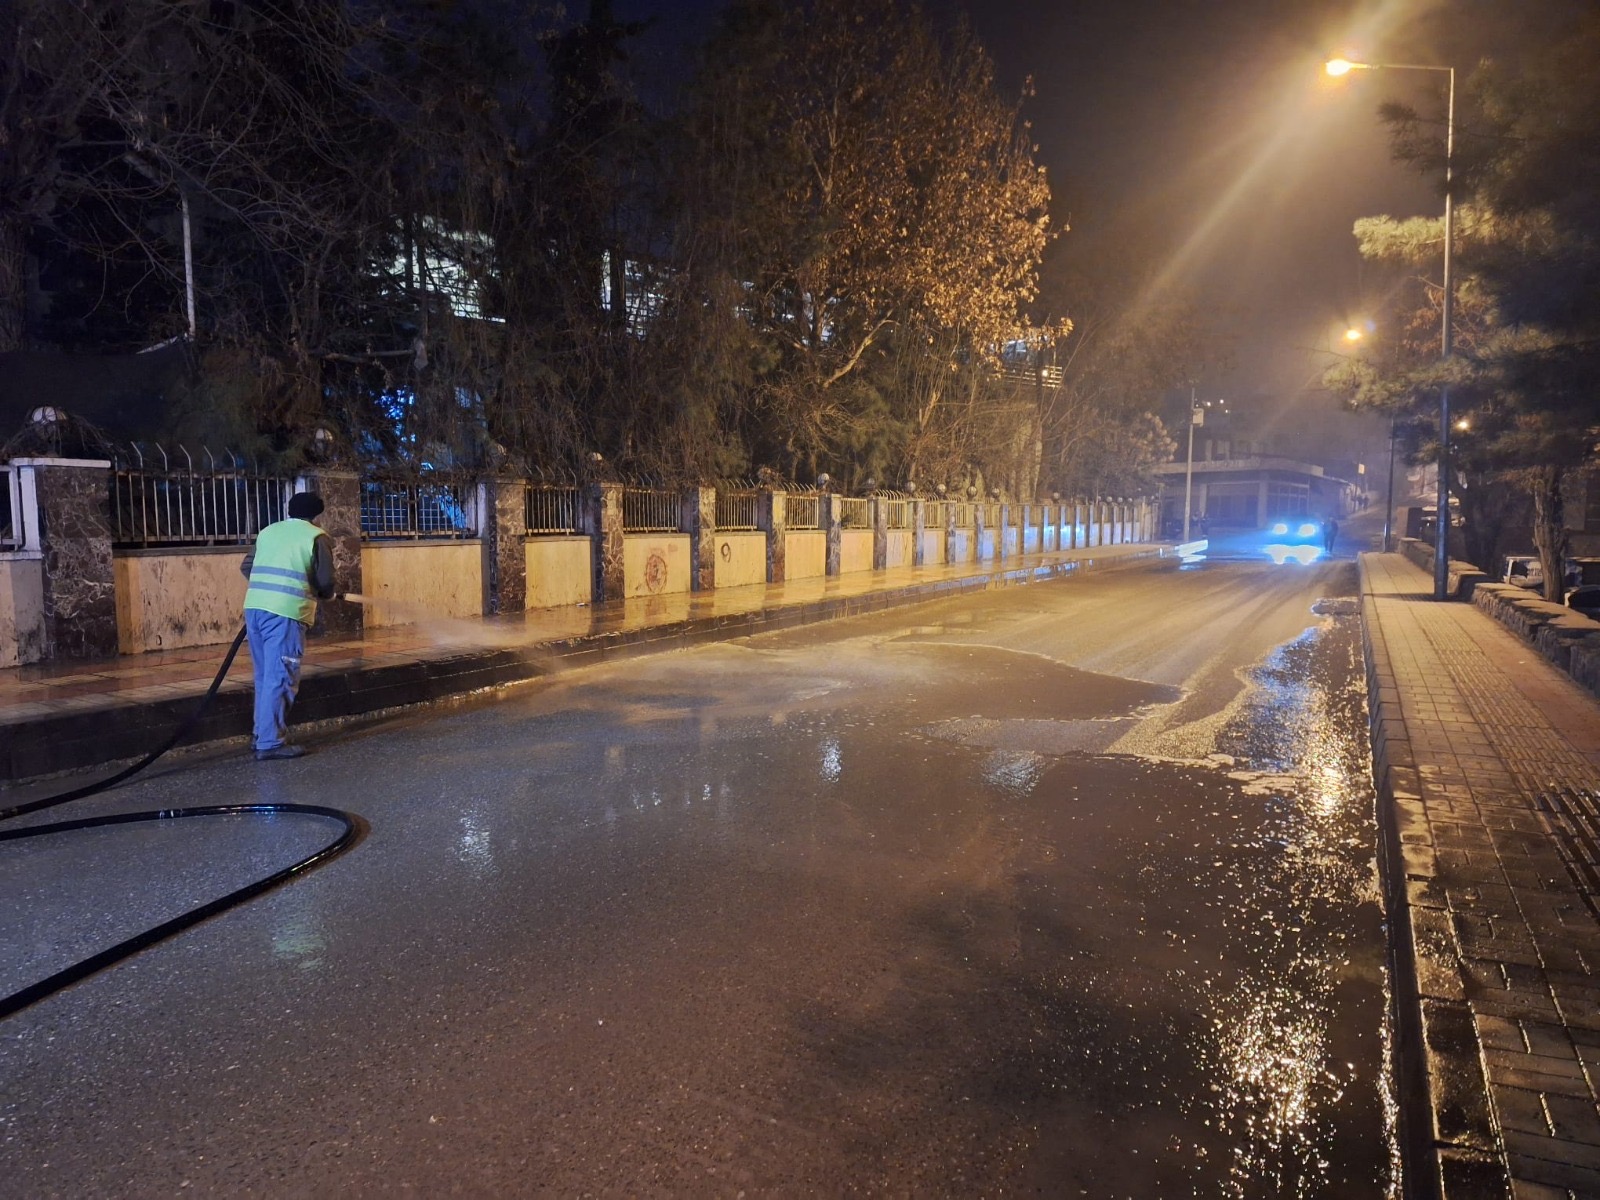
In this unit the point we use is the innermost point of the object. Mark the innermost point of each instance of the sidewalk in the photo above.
(1488, 762)
(66, 716)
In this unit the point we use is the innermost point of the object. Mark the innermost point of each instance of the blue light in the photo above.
(1304, 555)
(1280, 527)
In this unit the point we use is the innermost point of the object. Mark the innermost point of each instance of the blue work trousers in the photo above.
(276, 647)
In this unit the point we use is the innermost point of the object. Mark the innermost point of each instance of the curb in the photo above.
(1399, 804)
(1448, 1144)
(99, 734)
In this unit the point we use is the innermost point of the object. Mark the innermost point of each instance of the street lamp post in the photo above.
(1388, 506)
(1441, 548)
(1196, 417)
(1352, 336)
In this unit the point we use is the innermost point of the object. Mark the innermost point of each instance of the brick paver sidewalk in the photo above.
(1487, 760)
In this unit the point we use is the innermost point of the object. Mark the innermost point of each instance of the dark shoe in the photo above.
(283, 751)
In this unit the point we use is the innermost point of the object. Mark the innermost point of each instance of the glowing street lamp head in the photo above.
(1353, 334)
(1343, 66)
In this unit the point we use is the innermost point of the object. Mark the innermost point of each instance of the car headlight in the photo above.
(1308, 530)
(1280, 527)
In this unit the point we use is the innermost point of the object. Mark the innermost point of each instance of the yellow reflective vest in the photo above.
(280, 575)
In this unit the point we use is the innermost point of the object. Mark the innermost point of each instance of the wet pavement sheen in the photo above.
(1066, 890)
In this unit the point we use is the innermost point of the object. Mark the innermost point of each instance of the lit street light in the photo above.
(1197, 416)
(1353, 335)
(1441, 551)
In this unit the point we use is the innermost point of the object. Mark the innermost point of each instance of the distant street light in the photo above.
(1441, 550)
(1353, 334)
(1197, 416)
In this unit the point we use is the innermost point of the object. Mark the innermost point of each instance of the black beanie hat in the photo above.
(305, 505)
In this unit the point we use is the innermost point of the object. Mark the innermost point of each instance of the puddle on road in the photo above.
(1050, 951)
(863, 916)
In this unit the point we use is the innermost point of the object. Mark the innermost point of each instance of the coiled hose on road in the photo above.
(351, 829)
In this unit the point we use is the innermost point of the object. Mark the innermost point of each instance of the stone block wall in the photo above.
(69, 592)
(1568, 639)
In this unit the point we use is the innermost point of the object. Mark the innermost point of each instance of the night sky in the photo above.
(1207, 129)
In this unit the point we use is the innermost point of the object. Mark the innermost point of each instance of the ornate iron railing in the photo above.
(803, 511)
(650, 510)
(855, 512)
(736, 510)
(416, 508)
(549, 509)
(189, 508)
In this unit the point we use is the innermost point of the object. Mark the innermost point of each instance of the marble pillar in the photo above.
(341, 519)
(978, 526)
(602, 521)
(878, 510)
(919, 526)
(829, 516)
(772, 518)
(79, 584)
(503, 526)
(699, 520)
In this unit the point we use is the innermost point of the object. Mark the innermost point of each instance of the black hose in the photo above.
(90, 789)
(351, 829)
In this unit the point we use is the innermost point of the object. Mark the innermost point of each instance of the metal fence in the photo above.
(10, 509)
(193, 508)
(650, 510)
(736, 510)
(803, 511)
(896, 513)
(549, 509)
(990, 514)
(394, 508)
(855, 512)
(964, 514)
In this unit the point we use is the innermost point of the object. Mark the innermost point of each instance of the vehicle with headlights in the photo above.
(1293, 539)
(1296, 531)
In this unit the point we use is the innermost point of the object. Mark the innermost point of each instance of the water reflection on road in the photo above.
(1074, 951)
(855, 908)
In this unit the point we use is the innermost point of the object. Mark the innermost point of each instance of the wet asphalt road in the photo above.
(1064, 890)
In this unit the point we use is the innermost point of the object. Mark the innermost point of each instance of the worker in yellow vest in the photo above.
(289, 569)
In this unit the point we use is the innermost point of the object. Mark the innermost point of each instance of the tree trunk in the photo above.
(1549, 530)
(13, 287)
